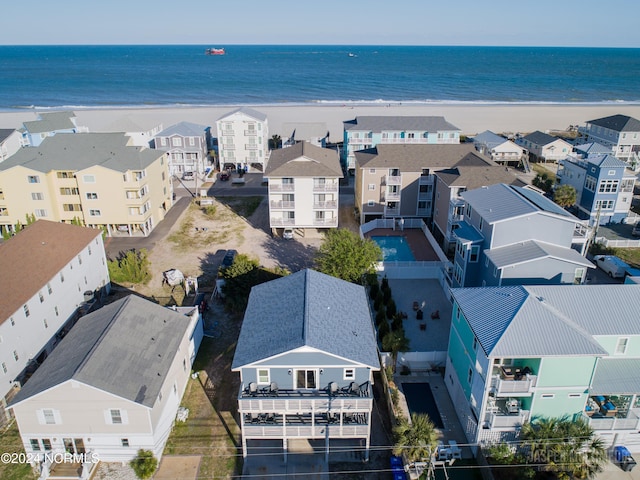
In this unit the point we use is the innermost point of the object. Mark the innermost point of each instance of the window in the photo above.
(305, 379)
(371, 203)
(372, 170)
(13, 323)
(547, 395)
(64, 174)
(116, 416)
(608, 186)
(46, 325)
(37, 196)
(94, 213)
(184, 364)
(4, 367)
(92, 196)
(46, 444)
(469, 376)
(590, 183)
(495, 272)
(475, 344)
(192, 141)
(40, 212)
(56, 310)
(263, 375)
(49, 416)
(124, 442)
(372, 186)
(25, 307)
(35, 444)
(468, 211)
(163, 141)
(176, 141)
(41, 296)
(349, 374)
(33, 179)
(574, 395)
(481, 223)
(604, 204)
(475, 254)
(621, 346)
(80, 259)
(69, 191)
(62, 277)
(89, 178)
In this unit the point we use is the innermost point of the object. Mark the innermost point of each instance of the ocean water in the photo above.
(151, 76)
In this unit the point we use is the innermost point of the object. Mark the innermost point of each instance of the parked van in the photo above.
(612, 265)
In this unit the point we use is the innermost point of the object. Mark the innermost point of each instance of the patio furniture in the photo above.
(456, 452)
(599, 399)
(273, 389)
(443, 453)
(354, 389)
(507, 373)
(608, 409)
(419, 315)
(253, 389)
(332, 388)
(416, 306)
(435, 315)
(423, 326)
(512, 405)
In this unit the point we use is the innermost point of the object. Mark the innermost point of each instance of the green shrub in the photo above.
(145, 464)
(130, 267)
(391, 309)
(377, 303)
(374, 289)
(381, 316)
(383, 329)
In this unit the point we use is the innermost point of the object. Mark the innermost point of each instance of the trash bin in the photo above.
(624, 459)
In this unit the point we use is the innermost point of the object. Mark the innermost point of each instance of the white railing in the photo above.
(508, 421)
(392, 196)
(404, 140)
(332, 222)
(279, 205)
(325, 187)
(393, 180)
(252, 133)
(313, 404)
(425, 180)
(512, 387)
(282, 221)
(228, 132)
(618, 243)
(251, 146)
(389, 212)
(613, 423)
(331, 204)
(280, 187)
(306, 431)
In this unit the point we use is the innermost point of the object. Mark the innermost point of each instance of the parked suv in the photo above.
(228, 259)
(187, 176)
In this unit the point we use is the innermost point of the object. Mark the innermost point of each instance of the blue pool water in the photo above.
(394, 249)
(420, 400)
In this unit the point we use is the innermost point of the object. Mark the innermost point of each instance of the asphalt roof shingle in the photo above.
(379, 123)
(303, 160)
(307, 308)
(125, 348)
(618, 123)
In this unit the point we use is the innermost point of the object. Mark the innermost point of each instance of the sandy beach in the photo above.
(471, 119)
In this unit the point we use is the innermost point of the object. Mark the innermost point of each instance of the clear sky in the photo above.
(591, 23)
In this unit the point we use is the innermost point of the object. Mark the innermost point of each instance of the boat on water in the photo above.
(214, 51)
(352, 54)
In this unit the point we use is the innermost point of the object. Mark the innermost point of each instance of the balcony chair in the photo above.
(253, 389)
(273, 389)
(354, 389)
(332, 389)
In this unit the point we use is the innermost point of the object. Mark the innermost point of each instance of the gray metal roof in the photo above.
(185, 129)
(540, 138)
(592, 148)
(605, 161)
(618, 123)
(616, 376)
(5, 132)
(83, 150)
(310, 309)
(51, 122)
(549, 320)
(379, 123)
(500, 202)
(490, 139)
(125, 348)
(250, 112)
(531, 250)
(303, 160)
(415, 157)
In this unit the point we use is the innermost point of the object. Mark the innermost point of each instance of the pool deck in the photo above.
(420, 246)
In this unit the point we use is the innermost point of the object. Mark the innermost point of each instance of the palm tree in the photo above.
(417, 439)
(395, 342)
(565, 196)
(275, 142)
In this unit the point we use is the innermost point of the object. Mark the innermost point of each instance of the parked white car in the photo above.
(612, 265)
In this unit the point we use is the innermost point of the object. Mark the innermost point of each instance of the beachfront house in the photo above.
(500, 149)
(368, 131)
(186, 145)
(471, 172)
(513, 235)
(397, 181)
(48, 125)
(520, 352)
(603, 184)
(49, 274)
(97, 179)
(306, 361)
(10, 142)
(243, 140)
(113, 385)
(314, 133)
(544, 147)
(620, 133)
(303, 188)
(141, 131)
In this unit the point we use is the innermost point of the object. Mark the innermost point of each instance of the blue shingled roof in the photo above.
(307, 309)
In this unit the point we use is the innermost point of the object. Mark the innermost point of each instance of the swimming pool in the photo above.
(420, 400)
(395, 249)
